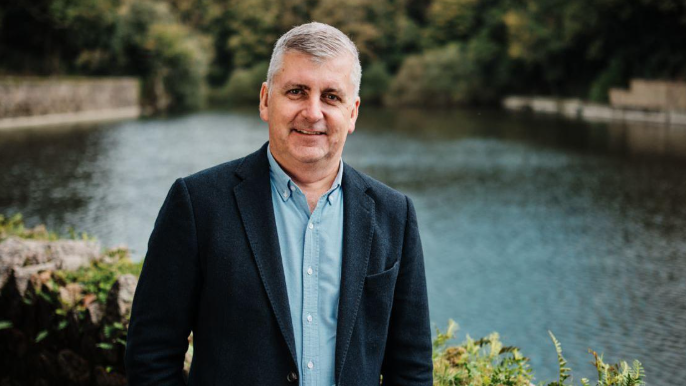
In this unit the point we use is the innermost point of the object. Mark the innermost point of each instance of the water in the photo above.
(529, 224)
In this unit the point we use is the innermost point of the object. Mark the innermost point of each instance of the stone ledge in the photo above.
(71, 118)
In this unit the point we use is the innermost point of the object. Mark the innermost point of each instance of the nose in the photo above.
(312, 111)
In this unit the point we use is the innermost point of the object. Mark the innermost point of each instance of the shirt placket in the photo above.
(311, 298)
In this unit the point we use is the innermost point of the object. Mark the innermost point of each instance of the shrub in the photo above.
(243, 86)
(375, 82)
(170, 57)
(487, 362)
(438, 78)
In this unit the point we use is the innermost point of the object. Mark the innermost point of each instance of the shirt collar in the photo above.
(285, 185)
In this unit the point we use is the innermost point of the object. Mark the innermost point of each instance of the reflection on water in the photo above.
(528, 224)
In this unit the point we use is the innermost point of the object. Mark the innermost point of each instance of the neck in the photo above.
(311, 177)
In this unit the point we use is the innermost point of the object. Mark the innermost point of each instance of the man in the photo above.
(289, 266)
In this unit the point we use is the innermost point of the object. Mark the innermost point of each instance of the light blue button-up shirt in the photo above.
(312, 252)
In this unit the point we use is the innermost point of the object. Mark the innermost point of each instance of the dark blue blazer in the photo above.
(214, 267)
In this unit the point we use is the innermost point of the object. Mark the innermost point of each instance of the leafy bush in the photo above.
(482, 362)
(438, 78)
(180, 61)
(375, 82)
(171, 58)
(14, 226)
(486, 362)
(243, 87)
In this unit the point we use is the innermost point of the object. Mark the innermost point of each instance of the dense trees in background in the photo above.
(414, 52)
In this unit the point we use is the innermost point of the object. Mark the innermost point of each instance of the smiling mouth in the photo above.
(307, 132)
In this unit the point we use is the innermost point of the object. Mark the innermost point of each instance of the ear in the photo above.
(264, 102)
(353, 114)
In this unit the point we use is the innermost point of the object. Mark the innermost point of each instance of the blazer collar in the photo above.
(253, 194)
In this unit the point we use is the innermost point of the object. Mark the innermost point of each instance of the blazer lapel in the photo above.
(254, 203)
(358, 228)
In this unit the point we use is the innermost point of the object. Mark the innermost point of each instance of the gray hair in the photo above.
(321, 41)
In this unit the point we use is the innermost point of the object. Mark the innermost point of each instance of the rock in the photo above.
(103, 378)
(73, 367)
(21, 276)
(120, 297)
(95, 313)
(88, 299)
(66, 254)
(71, 294)
(11, 256)
(73, 254)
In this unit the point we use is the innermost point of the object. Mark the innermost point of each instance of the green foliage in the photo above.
(613, 76)
(567, 48)
(617, 375)
(14, 226)
(375, 83)
(172, 58)
(562, 363)
(482, 362)
(450, 20)
(41, 335)
(243, 87)
(487, 362)
(98, 277)
(439, 77)
(180, 60)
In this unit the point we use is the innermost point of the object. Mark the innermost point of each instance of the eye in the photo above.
(331, 97)
(295, 91)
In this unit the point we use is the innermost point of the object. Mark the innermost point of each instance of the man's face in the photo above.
(311, 108)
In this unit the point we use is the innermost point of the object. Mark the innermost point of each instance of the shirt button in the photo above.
(309, 318)
(285, 193)
(310, 365)
(310, 225)
(292, 377)
(293, 188)
(309, 270)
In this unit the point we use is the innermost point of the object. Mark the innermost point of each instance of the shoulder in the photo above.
(387, 200)
(215, 177)
(227, 175)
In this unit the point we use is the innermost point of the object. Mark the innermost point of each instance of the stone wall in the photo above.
(577, 109)
(32, 101)
(650, 95)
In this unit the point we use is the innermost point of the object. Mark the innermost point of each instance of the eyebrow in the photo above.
(289, 86)
(334, 90)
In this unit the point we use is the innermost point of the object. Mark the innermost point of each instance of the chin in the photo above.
(307, 154)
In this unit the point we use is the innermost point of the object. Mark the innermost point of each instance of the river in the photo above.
(528, 224)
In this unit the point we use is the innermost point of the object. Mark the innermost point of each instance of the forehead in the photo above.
(301, 68)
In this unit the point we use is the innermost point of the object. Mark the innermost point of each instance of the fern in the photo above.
(562, 362)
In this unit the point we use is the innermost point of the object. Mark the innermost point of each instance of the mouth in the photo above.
(309, 132)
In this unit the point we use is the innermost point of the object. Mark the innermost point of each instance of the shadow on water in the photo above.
(528, 223)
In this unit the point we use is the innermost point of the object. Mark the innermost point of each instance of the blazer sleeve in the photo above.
(407, 359)
(164, 303)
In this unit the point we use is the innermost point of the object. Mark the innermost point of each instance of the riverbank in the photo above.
(578, 109)
(33, 101)
(645, 101)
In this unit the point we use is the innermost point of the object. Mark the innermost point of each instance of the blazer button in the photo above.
(292, 377)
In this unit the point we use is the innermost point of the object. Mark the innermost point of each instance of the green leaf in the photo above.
(5, 324)
(41, 335)
(62, 325)
(105, 346)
